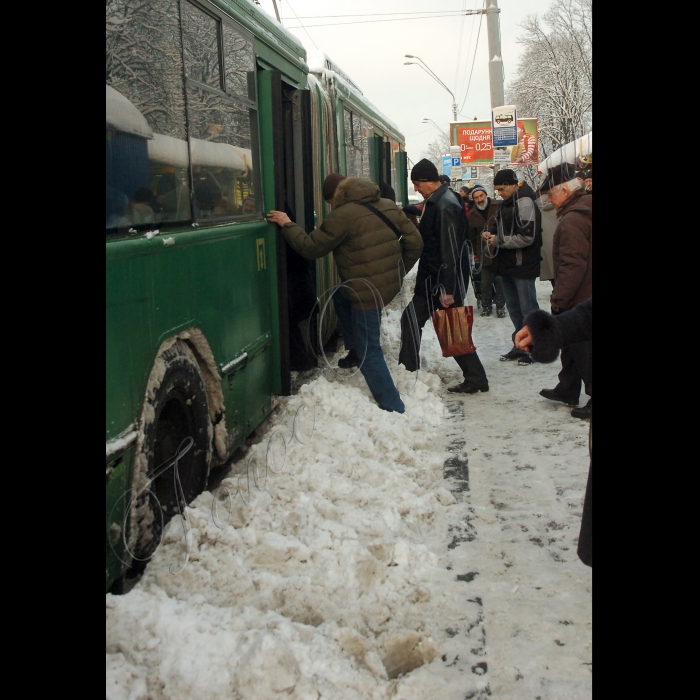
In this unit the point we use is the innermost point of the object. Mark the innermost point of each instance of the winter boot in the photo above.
(552, 395)
(350, 360)
(514, 354)
(525, 360)
(584, 412)
(501, 312)
(485, 311)
(465, 388)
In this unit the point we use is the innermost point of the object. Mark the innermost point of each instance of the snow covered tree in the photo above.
(436, 150)
(555, 74)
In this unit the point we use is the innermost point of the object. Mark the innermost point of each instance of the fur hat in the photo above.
(424, 171)
(558, 174)
(545, 341)
(329, 185)
(505, 177)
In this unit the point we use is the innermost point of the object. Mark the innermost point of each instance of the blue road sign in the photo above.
(447, 164)
(504, 123)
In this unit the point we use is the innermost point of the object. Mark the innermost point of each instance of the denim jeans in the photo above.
(521, 298)
(361, 333)
(488, 280)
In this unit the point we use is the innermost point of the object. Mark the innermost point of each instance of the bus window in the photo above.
(367, 132)
(222, 122)
(240, 64)
(351, 153)
(147, 162)
(201, 44)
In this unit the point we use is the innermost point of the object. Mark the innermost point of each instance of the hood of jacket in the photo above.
(579, 201)
(355, 189)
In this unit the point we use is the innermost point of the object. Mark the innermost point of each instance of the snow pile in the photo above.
(320, 580)
(335, 560)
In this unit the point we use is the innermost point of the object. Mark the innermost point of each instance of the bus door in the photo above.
(293, 175)
(383, 150)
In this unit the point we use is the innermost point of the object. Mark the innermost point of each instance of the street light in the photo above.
(432, 75)
(426, 120)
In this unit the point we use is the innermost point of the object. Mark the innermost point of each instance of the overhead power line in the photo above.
(473, 62)
(370, 21)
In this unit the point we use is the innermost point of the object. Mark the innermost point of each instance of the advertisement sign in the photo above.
(526, 151)
(474, 141)
(446, 165)
(504, 123)
(476, 144)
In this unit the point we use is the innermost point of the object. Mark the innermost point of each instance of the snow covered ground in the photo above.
(424, 556)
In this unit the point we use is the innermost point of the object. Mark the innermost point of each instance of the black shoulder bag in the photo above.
(376, 211)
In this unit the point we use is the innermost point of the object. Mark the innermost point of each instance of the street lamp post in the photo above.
(426, 120)
(427, 69)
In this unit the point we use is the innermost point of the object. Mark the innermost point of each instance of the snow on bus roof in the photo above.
(123, 116)
(220, 155)
(168, 151)
(568, 153)
(318, 61)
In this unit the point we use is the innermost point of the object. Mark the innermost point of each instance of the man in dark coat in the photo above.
(516, 233)
(441, 281)
(371, 258)
(543, 335)
(482, 214)
(572, 256)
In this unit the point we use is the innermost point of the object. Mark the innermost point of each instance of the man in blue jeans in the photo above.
(516, 234)
(373, 245)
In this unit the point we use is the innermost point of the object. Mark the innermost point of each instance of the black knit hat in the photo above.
(424, 171)
(558, 174)
(329, 185)
(505, 177)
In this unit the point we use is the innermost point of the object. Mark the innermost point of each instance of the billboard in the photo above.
(475, 140)
(526, 152)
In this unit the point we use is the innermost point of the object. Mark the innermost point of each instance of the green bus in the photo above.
(214, 116)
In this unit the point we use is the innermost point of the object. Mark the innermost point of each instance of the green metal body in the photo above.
(221, 280)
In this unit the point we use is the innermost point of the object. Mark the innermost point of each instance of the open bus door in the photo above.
(293, 187)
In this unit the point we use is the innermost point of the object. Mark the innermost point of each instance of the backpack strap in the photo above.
(376, 211)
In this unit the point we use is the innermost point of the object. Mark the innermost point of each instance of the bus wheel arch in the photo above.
(182, 400)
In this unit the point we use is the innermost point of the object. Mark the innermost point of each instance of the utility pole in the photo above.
(274, 2)
(495, 60)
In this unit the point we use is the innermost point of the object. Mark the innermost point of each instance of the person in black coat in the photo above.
(543, 335)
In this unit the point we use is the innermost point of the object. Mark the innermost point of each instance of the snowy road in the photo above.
(425, 556)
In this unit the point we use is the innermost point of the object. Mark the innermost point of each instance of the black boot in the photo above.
(350, 360)
(552, 395)
(584, 412)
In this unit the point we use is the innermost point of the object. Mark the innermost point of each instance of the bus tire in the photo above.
(176, 408)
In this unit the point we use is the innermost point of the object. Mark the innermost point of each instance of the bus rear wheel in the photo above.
(176, 410)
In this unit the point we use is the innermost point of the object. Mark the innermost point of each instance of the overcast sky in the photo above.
(372, 54)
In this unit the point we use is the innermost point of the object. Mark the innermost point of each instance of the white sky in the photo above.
(372, 54)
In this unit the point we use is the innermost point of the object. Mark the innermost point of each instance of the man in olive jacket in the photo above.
(371, 261)
(572, 255)
(482, 214)
(443, 274)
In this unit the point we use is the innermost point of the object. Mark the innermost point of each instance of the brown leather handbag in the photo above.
(453, 327)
